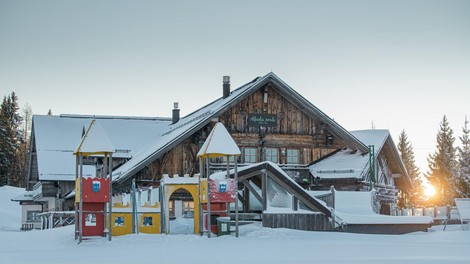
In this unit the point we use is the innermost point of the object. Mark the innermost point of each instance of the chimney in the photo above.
(176, 113)
(226, 85)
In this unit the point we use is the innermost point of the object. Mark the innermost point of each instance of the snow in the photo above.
(376, 137)
(219, 143)
(342, 165)
(356, 208)
(348, 164)
(181, 226)
(255, 245)
(10, 212)
(95, 140)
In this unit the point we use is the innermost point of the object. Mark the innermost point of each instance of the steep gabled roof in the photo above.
(193, 122)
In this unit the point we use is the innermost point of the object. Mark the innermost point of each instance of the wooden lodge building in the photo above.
(268, 120)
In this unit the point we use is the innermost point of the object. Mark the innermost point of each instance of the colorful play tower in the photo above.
(93, 194)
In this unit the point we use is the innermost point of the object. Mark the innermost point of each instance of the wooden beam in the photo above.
(252, 190)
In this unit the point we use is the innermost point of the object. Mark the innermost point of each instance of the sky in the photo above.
(397, 65)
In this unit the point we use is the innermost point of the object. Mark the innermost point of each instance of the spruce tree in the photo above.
(442, 165)
(408, 157)
(10, 140)
(463, 181)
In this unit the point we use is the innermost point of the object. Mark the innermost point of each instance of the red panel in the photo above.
(93, 226)
(223, 190)
(95, 190)
(217, 210)
(216, 207)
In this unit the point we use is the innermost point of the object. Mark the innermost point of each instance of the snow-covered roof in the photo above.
(26, 196)
(143, 140)
(95, 140)
(348, 164)
(375, 137)
(344, 164)
(219, 143)
(56, 138)
(198, 119)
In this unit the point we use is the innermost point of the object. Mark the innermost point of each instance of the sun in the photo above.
(429, 190)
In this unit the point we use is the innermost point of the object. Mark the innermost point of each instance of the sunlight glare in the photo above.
(429, 191)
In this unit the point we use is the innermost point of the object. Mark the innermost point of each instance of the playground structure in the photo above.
(150, 210)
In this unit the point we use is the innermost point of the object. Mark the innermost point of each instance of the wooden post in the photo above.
(80, 215)
(236, 197)
(264, 186)
(246, 196)
(110, 203)
(201, 213)
(208, 199)
(295, 203)
(104, 172)
(162, 209)
(134, 208)
(75, 203)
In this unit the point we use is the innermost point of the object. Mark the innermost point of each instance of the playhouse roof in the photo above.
(95, 141)
(219, 143)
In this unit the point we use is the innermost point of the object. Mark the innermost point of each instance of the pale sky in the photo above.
(397, 64)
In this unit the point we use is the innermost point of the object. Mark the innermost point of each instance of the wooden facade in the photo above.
(294, 131)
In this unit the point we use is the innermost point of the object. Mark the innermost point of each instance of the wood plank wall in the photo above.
(295, 130)
(307, 222)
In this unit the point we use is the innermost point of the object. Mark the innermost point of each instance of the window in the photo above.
(33, 216)
(271, 155)
(250, 155)
(148, 221)
(188, 209)
(90, 220)
(231, 159)
(119, 221)
(292, 156)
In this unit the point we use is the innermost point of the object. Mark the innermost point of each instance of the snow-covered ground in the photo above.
(10, 212)
(255, 245)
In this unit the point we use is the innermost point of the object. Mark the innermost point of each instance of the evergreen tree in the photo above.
(10, 140)
(408, 158)
(442, 165)
(463, 181)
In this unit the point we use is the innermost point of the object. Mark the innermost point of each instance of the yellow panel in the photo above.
(193, 189)
(145, 227)
(77, 190)
(126, 227)
(203, 190)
